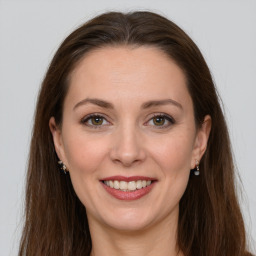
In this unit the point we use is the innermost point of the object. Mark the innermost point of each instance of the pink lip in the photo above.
(131, 195)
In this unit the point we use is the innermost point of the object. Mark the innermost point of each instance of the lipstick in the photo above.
(132, 188)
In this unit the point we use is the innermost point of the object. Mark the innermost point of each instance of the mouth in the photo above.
(128, 188)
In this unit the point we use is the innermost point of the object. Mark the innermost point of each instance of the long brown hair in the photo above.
(210, 220)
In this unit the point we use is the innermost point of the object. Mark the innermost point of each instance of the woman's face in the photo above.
(128, 136)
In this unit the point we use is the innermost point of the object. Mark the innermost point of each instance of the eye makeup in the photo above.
(158, 121)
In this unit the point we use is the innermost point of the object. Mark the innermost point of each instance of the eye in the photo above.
(161, 121)
(94, 120)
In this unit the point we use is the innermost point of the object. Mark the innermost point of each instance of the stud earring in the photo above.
(63, 167)
(197, 172)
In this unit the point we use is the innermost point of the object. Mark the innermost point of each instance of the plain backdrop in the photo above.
(31, 31)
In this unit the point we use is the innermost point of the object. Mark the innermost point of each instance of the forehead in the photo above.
(128, 71)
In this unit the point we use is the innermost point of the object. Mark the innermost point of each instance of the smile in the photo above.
(128, 188)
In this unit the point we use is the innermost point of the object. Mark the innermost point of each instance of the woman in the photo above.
(130, 153)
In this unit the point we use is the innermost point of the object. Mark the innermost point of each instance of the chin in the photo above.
(126, 219)
(129, 225)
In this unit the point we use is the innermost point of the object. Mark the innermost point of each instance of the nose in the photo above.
(127, 148)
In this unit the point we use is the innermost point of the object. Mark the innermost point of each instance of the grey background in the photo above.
(30, 32)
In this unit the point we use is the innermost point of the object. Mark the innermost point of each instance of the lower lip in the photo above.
(131, 195)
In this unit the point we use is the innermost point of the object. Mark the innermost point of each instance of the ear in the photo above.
(57, 139)
(201, 140)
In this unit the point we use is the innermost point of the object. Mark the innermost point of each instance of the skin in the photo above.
(129, 142)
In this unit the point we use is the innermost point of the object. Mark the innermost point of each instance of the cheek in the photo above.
(174, 154)
(84, 157)
(84, 154)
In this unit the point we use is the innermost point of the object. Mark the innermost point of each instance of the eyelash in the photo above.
(167, 118)
(86, 119)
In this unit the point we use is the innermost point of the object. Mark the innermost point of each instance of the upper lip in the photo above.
(127, 179)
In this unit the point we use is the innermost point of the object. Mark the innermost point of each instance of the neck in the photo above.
(159, 239)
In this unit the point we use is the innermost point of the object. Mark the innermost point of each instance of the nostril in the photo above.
(127, 150)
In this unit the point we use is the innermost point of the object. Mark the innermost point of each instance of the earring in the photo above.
(197, 172)
(63, 167)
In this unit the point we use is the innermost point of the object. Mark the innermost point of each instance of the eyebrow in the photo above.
(146, 105)
(154, 103)
(98, 102)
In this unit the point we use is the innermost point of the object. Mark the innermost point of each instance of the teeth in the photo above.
(127, 186)
(116, 184)
(139, 184)
(123, 185)
(111, 183)
(132, 185)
